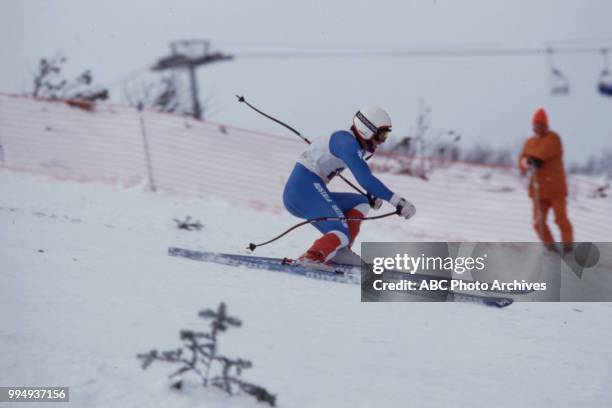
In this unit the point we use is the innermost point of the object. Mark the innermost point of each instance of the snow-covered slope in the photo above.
(85, 284)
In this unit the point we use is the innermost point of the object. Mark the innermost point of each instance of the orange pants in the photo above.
(540, 213)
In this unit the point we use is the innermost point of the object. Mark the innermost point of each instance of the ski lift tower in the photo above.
(189, 55)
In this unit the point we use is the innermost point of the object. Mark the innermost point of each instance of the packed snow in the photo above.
(86, 284)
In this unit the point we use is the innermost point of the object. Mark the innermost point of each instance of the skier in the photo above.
(543, 153)
(307, 196)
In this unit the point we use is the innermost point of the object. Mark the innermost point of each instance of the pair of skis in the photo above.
(342, 274)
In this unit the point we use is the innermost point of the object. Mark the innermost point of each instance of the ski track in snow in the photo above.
(86, 285)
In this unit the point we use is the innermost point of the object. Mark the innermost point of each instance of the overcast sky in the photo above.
(486, 99)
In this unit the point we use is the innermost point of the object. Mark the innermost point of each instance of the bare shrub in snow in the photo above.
(167, 94)
(199, 355)
(596, 165)
(188, 224)
(48, 82)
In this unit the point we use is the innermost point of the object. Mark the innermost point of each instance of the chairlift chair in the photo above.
(558, 83)
(605, 78)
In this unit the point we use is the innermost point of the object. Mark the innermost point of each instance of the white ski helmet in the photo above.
(371, 121)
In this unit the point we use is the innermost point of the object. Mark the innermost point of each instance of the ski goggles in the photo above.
(382, 134)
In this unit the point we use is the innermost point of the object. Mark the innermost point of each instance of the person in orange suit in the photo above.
(543, 155)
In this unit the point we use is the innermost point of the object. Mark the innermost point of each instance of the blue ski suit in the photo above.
(306, 194)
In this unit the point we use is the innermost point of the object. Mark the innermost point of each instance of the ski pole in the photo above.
(243, 100)
(252, 246)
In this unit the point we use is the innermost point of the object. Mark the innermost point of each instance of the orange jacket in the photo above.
(551, 175)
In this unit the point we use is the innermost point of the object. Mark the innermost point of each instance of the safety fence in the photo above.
(181, 155)
(121, 144)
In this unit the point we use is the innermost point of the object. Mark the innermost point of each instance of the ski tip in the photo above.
(500, 302)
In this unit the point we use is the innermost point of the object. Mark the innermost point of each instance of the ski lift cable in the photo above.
(476, 52)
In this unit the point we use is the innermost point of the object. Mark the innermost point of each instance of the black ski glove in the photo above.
(535, 162)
